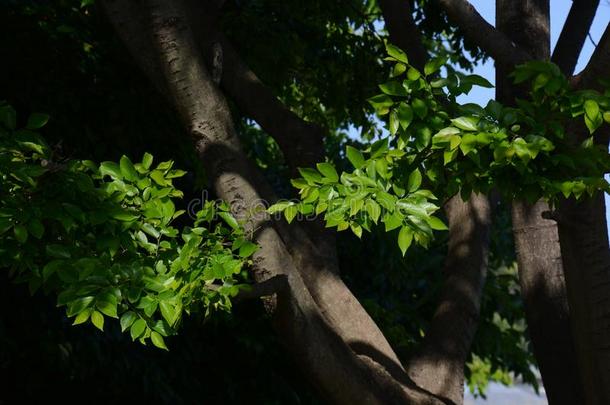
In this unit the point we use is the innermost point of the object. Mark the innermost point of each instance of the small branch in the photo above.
(265, 288)
(403, 31)
(574, 34)
(486, 36)
(597, 68)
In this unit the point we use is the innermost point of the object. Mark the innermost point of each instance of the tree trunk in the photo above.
(583, 234)
(527, 23)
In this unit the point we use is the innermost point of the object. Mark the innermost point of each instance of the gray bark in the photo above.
(527, 23)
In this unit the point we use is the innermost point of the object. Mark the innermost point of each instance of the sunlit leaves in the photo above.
(101, 236)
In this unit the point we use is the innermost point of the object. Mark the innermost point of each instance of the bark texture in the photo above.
(584, 246)
(439, 365)
(527, 23)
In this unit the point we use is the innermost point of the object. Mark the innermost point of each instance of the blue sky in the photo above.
(559, 12)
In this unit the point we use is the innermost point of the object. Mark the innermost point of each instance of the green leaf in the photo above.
(127, 169)
(433, 65)
(169, 312)
(158, 177)
(357, 229)
(82, 317)
(405, 114)
(394, 123)
(413, 74)
(37, 121)
(591, 109)
(147, 160)
(466, 123)
(436, 224)
(373, 209)
(381, 103)
(36, 228)
(393, 220)
(247, 248)
(415, 179)
(111, 169)
(137, 328)
(419, 107)
(478, 81)
(328, 171)
(355, 157)
(21, 233)
(405, 237)
(229, 219)
(397, 53)
(127, 320)
(107, 304)
(98, 320)
(157, 340)
(469, 143)
(393, 88)
(290, 212)
(310, 175)
(607, 117)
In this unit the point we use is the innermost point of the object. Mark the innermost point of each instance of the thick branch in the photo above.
(403, 31)
(597, 68)
(492, 41)
(574, 34)
(439, 365)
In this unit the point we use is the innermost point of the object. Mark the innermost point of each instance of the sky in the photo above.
(559, 12)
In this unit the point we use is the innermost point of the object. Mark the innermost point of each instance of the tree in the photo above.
(181, 47)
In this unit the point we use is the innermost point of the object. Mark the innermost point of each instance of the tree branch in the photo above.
(597, 68)
(492, 41)
(439, 365)
(574, 34)
(265, 288)
(403, 31)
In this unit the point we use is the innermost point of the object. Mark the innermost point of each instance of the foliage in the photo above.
(102, 237)
(524, 152)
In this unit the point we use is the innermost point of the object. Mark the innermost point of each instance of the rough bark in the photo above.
(527, 23)
(543, 289)
(439, 365)
(341, 375)
(574, 34)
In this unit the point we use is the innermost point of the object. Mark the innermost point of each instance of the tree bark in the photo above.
(527, 23)
(439, 365)
(574, 34)
(342, 375)
(583, 234)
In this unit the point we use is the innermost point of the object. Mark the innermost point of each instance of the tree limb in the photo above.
(485, 35)
(403, 31)
(597, 68)
(439, 365)
(574, 34)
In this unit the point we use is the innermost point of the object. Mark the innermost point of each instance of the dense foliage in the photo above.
(524, 153)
